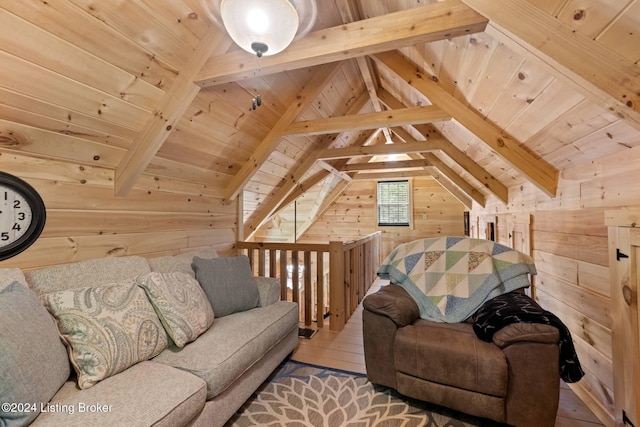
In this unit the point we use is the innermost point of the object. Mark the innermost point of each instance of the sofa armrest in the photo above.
(395, 303)
(526, 332)
(269, 290)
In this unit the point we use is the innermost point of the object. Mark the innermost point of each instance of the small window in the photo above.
(393, 203)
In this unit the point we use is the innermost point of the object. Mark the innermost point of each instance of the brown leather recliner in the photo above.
(513, 380)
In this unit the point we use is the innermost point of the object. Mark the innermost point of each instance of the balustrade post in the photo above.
(336, 286)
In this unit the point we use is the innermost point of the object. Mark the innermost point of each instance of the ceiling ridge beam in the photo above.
(166, 115)
(260, 155)
(432, 22)
(406, 116)
(537, 170)
(604, 76)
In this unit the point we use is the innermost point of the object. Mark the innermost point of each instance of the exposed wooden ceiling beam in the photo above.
(400, 164)
(425, 114)
(540, 173)
(452, 176)
(260, 155)
(597, 72)
(432, 22)
(168, 112)
(489, 182)
(485, 178)
(391, 174)
(431, 171)
(371, 82)
(292, 179)
(329, 168)
(452, 188)
(326, 204)
(378, 150)
(302, 188)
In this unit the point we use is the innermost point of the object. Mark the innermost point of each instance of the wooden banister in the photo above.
(352, 268)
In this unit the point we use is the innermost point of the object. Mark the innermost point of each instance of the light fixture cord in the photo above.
(256, 101)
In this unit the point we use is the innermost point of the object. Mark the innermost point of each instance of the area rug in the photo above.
(303, 395)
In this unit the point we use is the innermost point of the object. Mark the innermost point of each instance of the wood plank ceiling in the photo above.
(483, 95)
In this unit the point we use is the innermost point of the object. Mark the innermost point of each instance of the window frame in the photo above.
(409, 204)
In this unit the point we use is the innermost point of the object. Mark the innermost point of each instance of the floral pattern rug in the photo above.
(303, 395)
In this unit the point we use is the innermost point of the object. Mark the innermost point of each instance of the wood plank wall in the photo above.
(570, 247)
(85, 220)
(353, 214)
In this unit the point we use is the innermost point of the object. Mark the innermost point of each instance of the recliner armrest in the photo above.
(526, 332)
(395, 303)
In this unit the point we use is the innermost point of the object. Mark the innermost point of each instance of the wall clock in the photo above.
(22, 215)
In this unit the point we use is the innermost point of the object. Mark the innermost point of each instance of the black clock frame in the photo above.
(38, 215)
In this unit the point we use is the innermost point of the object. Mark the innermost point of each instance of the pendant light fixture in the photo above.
(263, 27)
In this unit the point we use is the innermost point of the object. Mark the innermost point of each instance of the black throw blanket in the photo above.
(516, 307)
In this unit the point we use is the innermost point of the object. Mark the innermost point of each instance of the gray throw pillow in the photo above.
(228, 283)
(33, 360)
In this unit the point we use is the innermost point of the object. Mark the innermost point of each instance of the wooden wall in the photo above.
(570, 247)
(85, 220)
(353, 214)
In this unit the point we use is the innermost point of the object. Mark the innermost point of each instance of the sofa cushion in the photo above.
(451, 354)
(180, 304)
(145, 394)
(33, 361)
(269, 290)
(10, 275)
(106, 328)
(233, 344)
(181, 262)
(228, 283)
(92, 272)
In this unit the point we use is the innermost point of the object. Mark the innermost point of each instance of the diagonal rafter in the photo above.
(272, 203)
(540, 173)
(169, 111)
(260, 155)
(494, 186)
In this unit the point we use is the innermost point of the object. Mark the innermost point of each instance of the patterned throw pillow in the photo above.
(181, 305)
(107, 328)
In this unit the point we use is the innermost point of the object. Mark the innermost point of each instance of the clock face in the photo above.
(22, 215)
(15, 215)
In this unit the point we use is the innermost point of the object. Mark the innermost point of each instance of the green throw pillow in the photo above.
(228, 283)
(107, 328)
(180, 303)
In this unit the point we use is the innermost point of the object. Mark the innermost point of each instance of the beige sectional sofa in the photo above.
(202, 383)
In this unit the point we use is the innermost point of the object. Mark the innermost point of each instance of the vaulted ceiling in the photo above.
(481, 95)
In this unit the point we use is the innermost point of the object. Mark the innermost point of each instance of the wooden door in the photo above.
(624, 270)
(520, 232)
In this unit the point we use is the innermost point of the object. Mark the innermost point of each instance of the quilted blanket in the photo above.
(451, 277)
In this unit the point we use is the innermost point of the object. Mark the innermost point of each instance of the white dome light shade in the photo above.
(263, 27)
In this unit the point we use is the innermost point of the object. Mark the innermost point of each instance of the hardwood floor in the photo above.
(344, 350)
